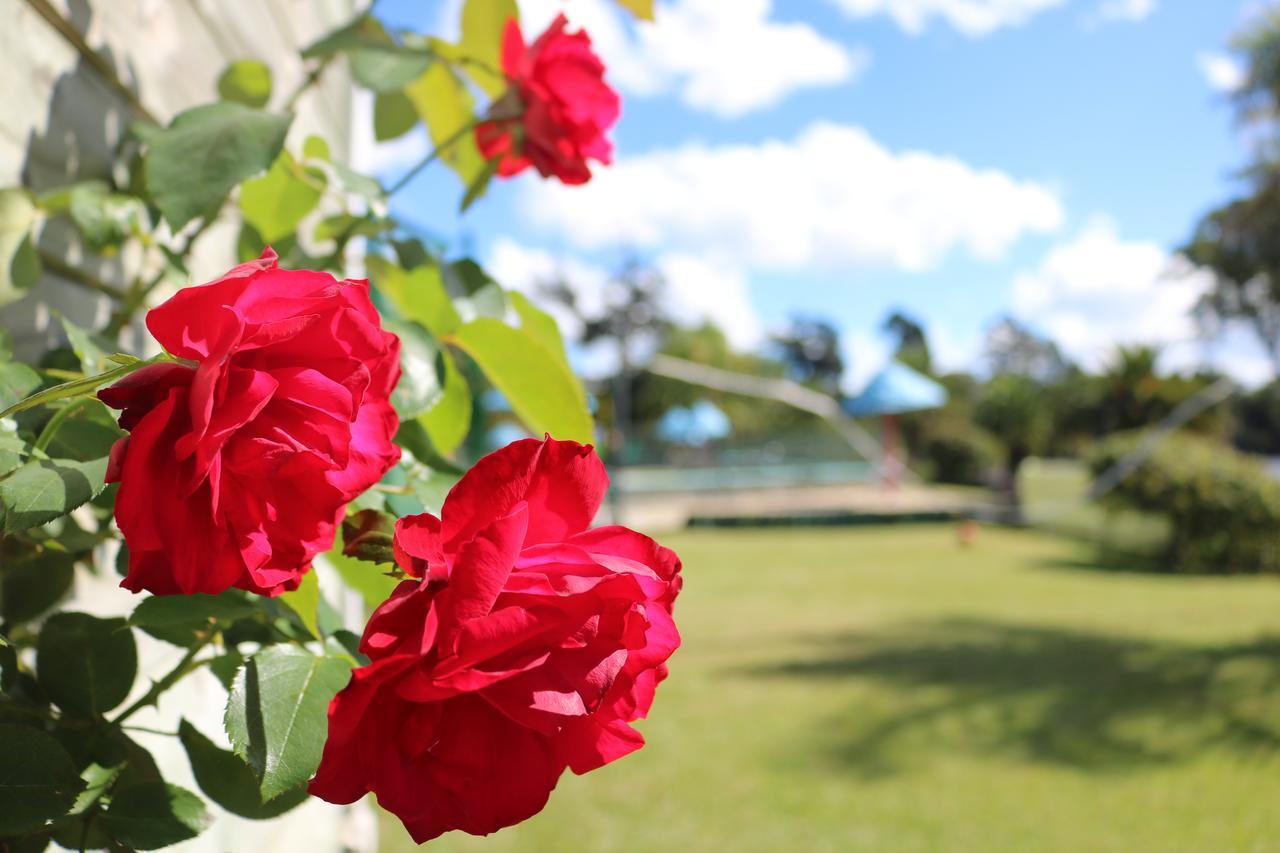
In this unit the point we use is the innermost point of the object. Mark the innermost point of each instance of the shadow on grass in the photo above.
(1092, 701)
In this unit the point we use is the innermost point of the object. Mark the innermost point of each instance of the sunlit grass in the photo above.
(886, 689)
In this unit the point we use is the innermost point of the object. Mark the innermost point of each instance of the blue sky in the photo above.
(959, 159)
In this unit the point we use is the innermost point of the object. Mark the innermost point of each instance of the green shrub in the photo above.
(962, 454)
(1222, 507)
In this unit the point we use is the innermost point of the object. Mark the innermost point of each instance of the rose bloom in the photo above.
(558, 108)
(529, 645)
(239, 465)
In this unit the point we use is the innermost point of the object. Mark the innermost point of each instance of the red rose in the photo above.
(563, 106)
(238, 468)
(528, 646)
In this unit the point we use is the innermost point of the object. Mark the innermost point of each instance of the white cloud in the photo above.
(833, 197)
(1097, 291)
(697, 289)
(1126, 10)
(726, 57)
(1221, 71)
(971, 17)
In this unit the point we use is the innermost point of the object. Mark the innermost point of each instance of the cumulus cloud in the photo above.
(832, 197)
(1126, 10)
(1221, 71)
(725, 57)
(698, 288)
(971, 17)
(1097, 291)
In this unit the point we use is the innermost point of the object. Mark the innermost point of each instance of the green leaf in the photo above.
(540, 325)
(419, 387)
(86, 432)
(13, 450)
(305, 601)
(86, 664)
(388, 68)
(277, 714)
(44, 489)
(105, 219)
(449, 420)
(93, 351)
(38, 781)
(367, 536)
(361, 31)
(19, 263)
(374, 586)
(362, 185)
(541, 389)
(196, 161)
(246, 81)
(275, 203)
(642, 9)
(316, 148)
(448, 108)
(479, 185)
(179, 619)
(16, 382)
(483, 22)
(34, 582)
(155, 815)
(393, 115)
(418, 295)
(483, 297)
(228, 781)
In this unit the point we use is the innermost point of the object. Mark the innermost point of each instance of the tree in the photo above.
(911, 345)
(1012, 407)
(1011, 347)
(810, 348)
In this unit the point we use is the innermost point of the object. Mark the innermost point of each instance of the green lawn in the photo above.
(885, 689)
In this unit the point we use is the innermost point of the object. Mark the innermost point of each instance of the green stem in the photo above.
(186, 665)
(78, 387)
(439, 150)
(51, 428)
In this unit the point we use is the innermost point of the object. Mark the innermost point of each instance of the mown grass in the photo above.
(886, 689)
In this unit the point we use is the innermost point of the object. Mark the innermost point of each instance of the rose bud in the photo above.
(526, 644)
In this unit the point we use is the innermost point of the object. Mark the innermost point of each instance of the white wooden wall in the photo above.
(61, 122)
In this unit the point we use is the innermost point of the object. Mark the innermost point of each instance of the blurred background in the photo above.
(941, 338)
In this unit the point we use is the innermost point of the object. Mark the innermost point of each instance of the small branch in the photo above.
(439, 150)
(186, 665)
(313, 77)
(75, 275)
(100, 64)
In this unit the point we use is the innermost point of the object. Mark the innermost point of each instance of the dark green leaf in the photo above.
(277, 714)
(374, 586)
(418, 294)
(305, 601)
(38, 781)
(45, 489)
(276, 202)
(13, 450)
(419, 387)
(148, 817)
(32, 583)
(105, 219)
(205, 152)
(475, 292)
(361, 185)
(86, 664)
(388, 68)
(362, 31)
(95, 353)
(246, 81)
(413, 437)
(86, 434)
(367, 536)
(539, 324)
(542, 391)
(180, 619)
(393, 115)
(228, 781)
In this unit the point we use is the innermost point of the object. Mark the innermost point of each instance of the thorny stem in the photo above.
(186, 665)
(439, 150)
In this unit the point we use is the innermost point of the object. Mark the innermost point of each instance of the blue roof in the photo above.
(694, 426)
(897, 389)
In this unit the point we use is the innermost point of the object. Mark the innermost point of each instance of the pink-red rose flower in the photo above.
(239, 464)
(557, 111)
(529, 645)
